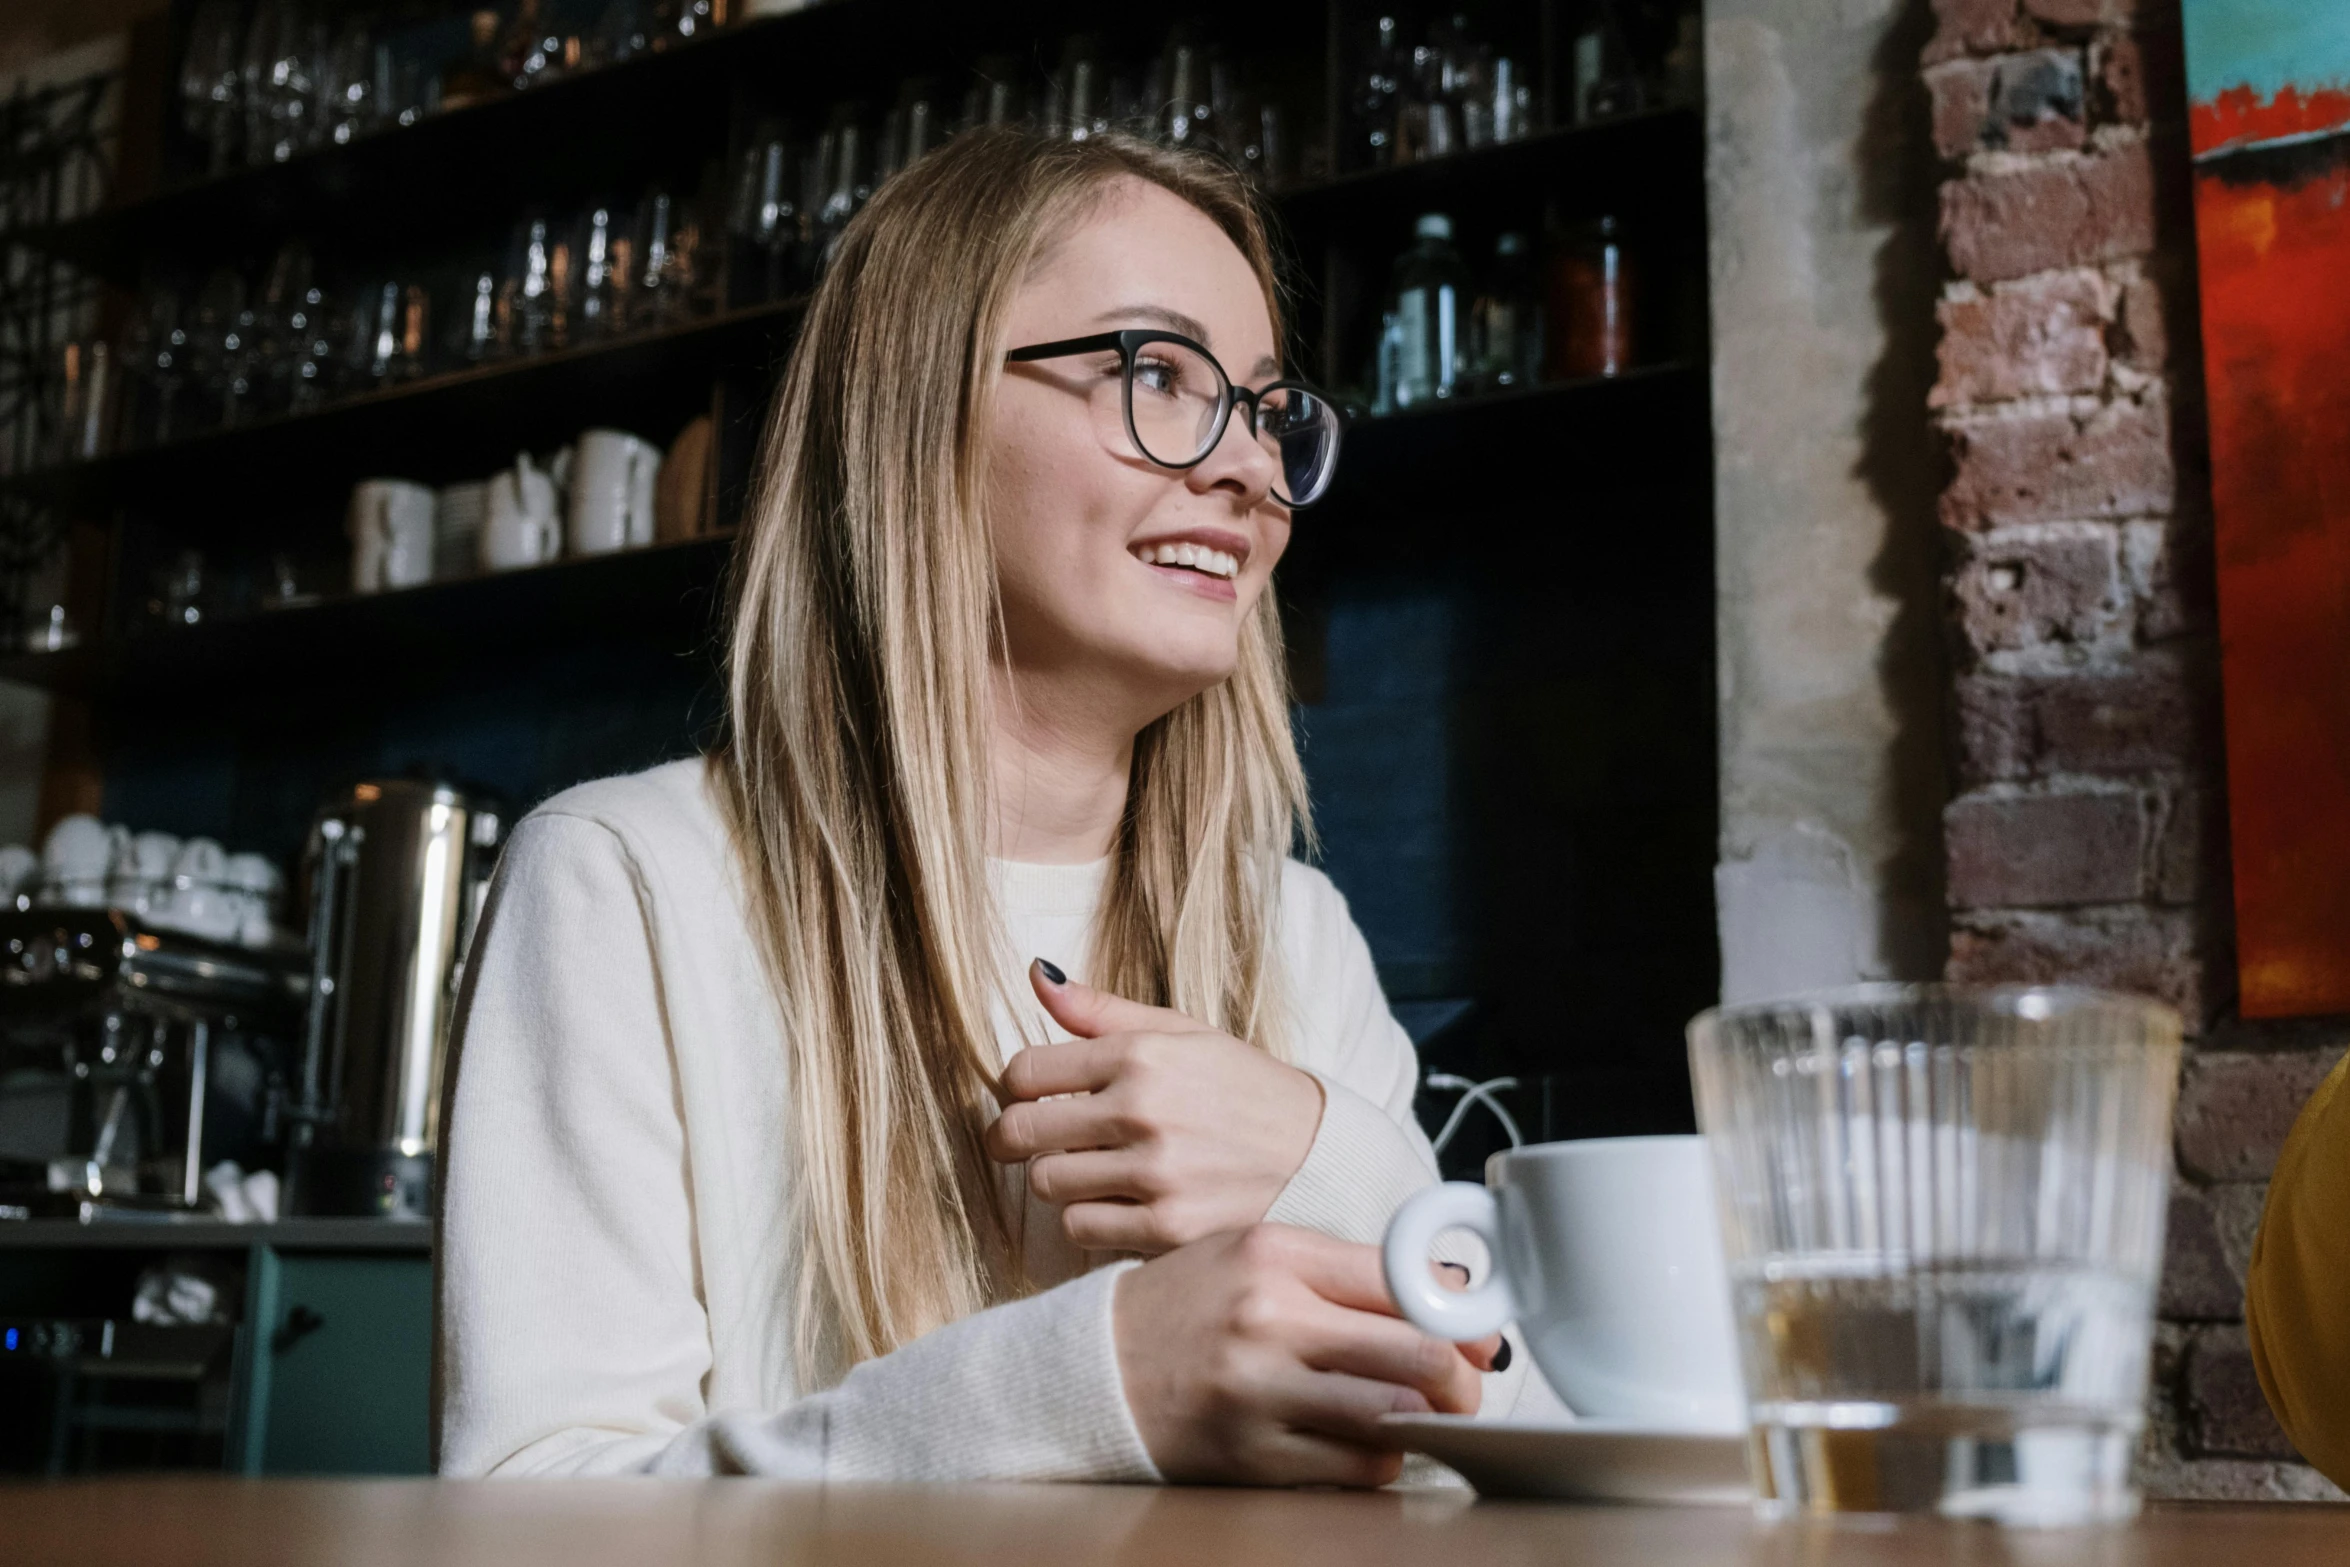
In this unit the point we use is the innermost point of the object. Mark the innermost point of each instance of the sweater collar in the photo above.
(1027, 889)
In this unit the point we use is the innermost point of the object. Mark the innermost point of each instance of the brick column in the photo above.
(2087, 830)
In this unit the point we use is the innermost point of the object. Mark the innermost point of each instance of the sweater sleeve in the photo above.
(1369, 1154)
(2297, 1295)
(572, 1334)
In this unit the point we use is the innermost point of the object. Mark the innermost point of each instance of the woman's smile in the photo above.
(1205, 561)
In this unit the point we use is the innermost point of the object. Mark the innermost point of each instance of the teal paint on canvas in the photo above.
(2266, 45)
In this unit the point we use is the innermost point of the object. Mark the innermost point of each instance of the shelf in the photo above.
(1519, 453)
(1512, 454)
(195, 1232)
(459, 425)
(654, 116)
(664, 595)
(1631, 158)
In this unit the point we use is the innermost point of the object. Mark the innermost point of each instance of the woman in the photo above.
(2297, 1290)
(726, 1186)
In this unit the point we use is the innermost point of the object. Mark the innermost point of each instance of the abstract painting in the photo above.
(2270, 120)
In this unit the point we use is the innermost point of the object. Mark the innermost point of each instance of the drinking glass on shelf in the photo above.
(212, 80)
(357, 80)
(1942, 1210)
(1377, 95)
(764, 222)
(477, 330)
(526, 293)
(220, 355)
(915, 124)
(179, 590)
(285, 59)
(156, 356)
(533, 52)
(286, 326)
(1081, 90)
(622, 32)
(651, 298)
(601, 291)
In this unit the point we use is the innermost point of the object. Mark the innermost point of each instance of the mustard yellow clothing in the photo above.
(2297, 1296)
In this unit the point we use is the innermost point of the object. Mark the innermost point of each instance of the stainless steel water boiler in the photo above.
(397, 871)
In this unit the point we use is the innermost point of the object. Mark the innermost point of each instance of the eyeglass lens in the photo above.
(1175, 394)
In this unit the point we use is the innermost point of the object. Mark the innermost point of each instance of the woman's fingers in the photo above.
(1056, 1126)
(1341, 1408)
(1380, 1349)
(1078, 1066)
(1353, 1276)
(1089, 1013)
(1090, 1176)
(1114, 1224)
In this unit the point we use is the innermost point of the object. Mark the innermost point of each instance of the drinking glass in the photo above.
(212, 80)
(1942, 1210)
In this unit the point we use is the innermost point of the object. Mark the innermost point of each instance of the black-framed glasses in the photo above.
(1175, 401)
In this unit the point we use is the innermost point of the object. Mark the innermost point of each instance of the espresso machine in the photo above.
(163, 1052)
(397, 870)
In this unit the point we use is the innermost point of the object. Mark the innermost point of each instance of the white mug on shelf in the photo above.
(522, 528)
(613, 475)
(457, 527)
(74, 862)
(20, 872)
(196, 901)
(143, 872)
(250, 883)
(391, 526)
(1608, 1256)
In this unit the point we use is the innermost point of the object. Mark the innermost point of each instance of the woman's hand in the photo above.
(1266, 1357)
(1175, 1132)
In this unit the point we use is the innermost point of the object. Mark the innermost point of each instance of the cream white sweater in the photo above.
(615, 1266)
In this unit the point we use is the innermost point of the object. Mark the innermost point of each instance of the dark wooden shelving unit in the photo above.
(662, 597)
(1550, 549)
(447, 426)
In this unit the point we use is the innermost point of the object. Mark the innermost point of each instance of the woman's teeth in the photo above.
(1198, 557)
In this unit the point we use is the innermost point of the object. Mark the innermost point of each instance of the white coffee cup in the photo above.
(391, 527)
(20, 871)
(1608, 1256)
(142, 869)
(74, 862)
(523, 528)
(612, 482)
(196, 900)
(250, 883)
(462, 512)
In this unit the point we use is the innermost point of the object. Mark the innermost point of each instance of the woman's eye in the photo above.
(1156, 375)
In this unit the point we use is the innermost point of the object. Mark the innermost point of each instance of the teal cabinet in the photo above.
(337, 1365)
(331, 1370)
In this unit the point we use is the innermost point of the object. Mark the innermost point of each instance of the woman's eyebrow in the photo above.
(1189, 326)
(1172, 320)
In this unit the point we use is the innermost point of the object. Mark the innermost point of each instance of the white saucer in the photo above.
(1585, 1460)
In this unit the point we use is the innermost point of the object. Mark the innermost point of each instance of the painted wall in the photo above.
(1820, 203)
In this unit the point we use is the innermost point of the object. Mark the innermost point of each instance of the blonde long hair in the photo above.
(855, 771)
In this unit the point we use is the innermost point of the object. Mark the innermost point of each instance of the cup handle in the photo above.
(1457, 1315)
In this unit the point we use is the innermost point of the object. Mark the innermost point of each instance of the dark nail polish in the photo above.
(1052, 972)
(1501, 1356)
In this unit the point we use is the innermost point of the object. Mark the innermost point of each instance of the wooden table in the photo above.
(195, 1522)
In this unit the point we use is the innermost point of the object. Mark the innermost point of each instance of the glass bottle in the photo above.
(1594, 288)
(1606, 80)
(1423, 341)
(1505, 333)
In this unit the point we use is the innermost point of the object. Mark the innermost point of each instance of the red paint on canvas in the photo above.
(2239, 115)
(2276, 323)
